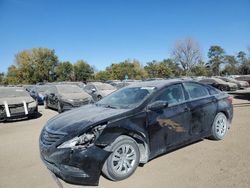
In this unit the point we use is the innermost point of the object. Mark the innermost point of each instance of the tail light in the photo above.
(230, 99)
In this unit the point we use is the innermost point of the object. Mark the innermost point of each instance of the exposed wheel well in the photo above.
(143, 147)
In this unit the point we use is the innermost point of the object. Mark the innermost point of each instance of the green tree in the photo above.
(216, 56)
(242, 57)
(103, 75)
(231, 65)
(44, 61)
(36, 65)
(133, 69)
(162, 69)
(244, 67)
(13, 75)
(201, 70)
(2, 78)
(175, 69)
(64, 71)
(82, 71)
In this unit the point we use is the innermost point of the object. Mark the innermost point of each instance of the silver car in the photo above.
(15, 103)
(98, 90)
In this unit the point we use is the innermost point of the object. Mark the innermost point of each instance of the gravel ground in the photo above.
(203, 164)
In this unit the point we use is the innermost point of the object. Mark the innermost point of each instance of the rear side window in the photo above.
(196, 90)
(212, 90)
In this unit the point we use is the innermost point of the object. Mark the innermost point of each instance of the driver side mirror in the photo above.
(158, 105)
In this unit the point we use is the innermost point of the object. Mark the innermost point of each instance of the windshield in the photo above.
(69, 89)
(12, 92)
(105, 87)
(129, 97)
(42, 88)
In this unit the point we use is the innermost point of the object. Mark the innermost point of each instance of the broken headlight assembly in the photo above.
(85, 140)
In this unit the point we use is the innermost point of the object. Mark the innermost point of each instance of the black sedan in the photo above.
(132, 126)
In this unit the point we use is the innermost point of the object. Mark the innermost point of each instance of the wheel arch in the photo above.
(138, 137)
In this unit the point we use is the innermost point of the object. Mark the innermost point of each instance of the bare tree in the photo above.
(187, 53)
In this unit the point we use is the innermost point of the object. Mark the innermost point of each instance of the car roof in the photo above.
(97, 83)
(158, 83)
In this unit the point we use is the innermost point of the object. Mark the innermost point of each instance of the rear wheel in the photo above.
(124, 159)
(219, 127)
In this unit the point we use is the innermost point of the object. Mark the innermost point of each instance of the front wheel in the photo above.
(124, 159)
(99, 97)
(219, 127)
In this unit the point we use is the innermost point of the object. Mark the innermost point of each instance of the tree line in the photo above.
(42, 65)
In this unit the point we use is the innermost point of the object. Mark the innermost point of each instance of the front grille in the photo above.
(48, 138)
(16, 108)
(80, 102)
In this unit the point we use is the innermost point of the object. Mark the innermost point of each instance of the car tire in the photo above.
(34, 114)
(219, 127)
(99, 97)
(59, 107)
(123, 160)
(45, 104)
(222, 88)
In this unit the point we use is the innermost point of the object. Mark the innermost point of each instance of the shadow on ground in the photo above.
(35, 116)
(242, 96)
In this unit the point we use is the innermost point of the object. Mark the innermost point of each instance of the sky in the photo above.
(103, 32)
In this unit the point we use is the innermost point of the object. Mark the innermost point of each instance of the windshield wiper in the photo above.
(109, 106)
(106, 105)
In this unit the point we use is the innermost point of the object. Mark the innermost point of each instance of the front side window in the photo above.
(195, 90)
(52, 89)
(172, 94)
(89, 87)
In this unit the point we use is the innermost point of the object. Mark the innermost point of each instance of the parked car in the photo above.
(243, 78)
(98, 90)
(219, 84)
(240, 84)
(65, 97)
(15, 103)
(131, 126)
(38, 92)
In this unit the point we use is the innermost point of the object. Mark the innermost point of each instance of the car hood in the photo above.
(15, 100)
(231, 84)
(243, 83)
(81, 118)
(75, 96)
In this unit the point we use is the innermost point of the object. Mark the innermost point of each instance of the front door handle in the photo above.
(186, 109)
(214, 100)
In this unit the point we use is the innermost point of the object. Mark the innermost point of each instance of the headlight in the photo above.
(85, 140)
(32, 104)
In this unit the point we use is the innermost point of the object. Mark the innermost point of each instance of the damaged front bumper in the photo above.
(75, 166)
(16, 111)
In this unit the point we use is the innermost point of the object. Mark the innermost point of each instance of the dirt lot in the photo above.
(204, 164)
